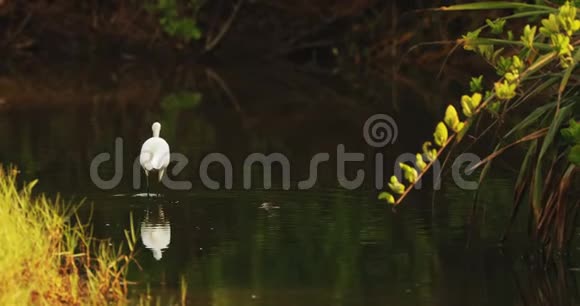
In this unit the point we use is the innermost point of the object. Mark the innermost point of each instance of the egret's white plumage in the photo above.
(155, 153)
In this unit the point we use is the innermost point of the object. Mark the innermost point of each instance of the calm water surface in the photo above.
(324, 246)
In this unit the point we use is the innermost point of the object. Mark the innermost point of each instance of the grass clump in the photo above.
(47, 259)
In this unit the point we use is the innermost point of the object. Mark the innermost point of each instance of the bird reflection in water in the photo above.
(156, 231)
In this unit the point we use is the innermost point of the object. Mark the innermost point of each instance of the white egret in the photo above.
(154, 154)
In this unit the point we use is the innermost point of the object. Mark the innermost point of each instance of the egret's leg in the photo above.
(147, 181)
(161, 171)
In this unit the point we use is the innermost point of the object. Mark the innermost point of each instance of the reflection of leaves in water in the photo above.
(181, 100)
(172, 106)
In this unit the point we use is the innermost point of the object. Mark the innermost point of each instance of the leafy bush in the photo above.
(539, 60)
(178, 19)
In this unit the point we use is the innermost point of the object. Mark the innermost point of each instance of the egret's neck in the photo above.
(156, 128)
(157, 253)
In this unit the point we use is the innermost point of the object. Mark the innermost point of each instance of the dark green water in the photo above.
(324, 246)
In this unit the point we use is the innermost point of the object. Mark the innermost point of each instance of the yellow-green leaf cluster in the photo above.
(387, 197)
(396, 186)
(528, 36)
(567, 18)
(560, 28)
(470, 104)
(452, 119)
(409, 173)
(505, 90)
(419, 162)
(430, 154)
(441, 134)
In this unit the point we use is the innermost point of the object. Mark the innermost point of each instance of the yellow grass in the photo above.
(45, 260)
